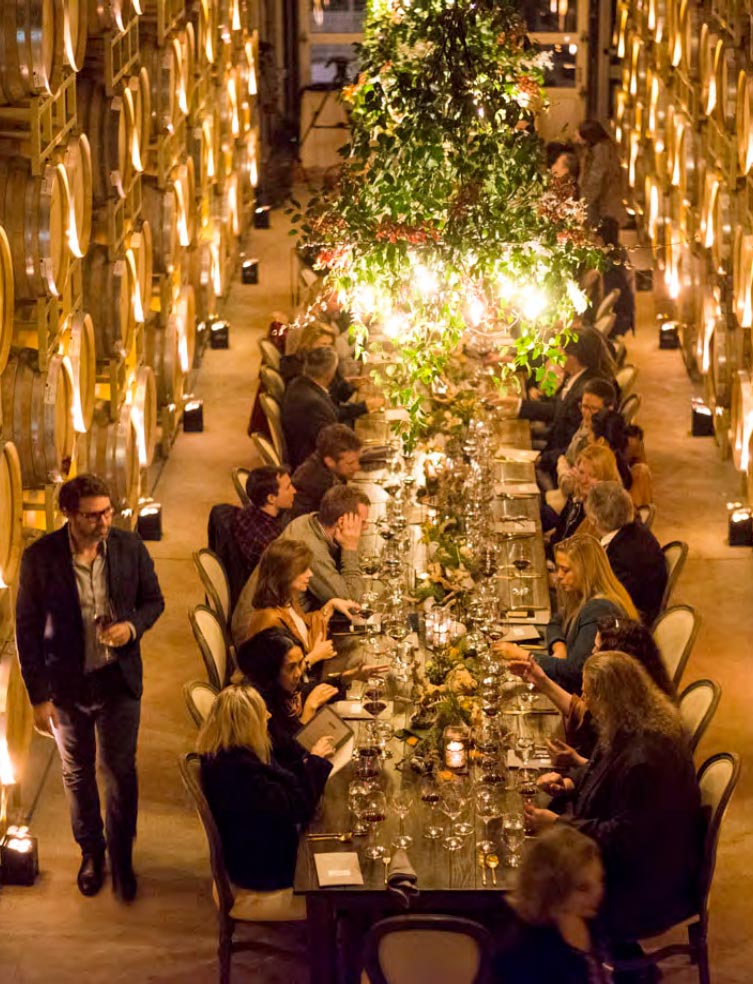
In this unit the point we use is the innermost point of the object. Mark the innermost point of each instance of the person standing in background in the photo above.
(602, 183)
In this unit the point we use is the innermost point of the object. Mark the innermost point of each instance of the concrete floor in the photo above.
(50, 933)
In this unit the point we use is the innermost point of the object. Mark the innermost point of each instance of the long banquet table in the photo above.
(447, 881)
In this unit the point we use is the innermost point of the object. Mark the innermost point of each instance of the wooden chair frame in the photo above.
(188, 695)
(715, 695)
(213, 672)
(239, 474)
(675, 570)
(688, 649)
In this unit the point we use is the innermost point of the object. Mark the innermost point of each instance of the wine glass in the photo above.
(452, 802)
(357, 793)
(373, 695)
(514, 831)
(384, 733)
(525, 744)
(488, 806)
(430, 795)
(402, 804)
(367, 753)
(374, 814)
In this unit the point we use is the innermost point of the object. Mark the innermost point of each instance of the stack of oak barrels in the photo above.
(128, 163)
(684, 120)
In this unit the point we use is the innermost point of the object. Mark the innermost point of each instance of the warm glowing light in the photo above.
(395, 325)
(475, 310)
(533, 302)
(7, 776)
(425, 279)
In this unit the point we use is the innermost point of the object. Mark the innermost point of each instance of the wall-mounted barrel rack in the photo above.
(129, 150)
(684, 121)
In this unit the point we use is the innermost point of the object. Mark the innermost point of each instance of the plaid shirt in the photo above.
(254, 530)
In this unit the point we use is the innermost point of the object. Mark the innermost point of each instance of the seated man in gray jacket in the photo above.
(333, 534)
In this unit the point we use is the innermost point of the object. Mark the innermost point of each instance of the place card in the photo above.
(516, 527)
(540, 761)
(519, 634)
(338, 868)
(507, 453)
(514, 489)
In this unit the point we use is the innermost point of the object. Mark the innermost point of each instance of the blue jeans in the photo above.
(105, 719)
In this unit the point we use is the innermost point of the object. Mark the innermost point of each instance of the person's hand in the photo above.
(320, 651)
(554, 784)
(348, 531)
(345, 606)
(508, 405)
(365, 671)
(510, 650)
(45, 718)
(537, 819)
(115, 635)
(563, 756)
(529, 671)
(534, 393)
(319, 696)
(324, 748)
(374, 403)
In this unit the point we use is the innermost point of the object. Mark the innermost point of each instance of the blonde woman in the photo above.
(257, 804)
(638, 798)
(558, 892)
(595, 463)
(587, 591)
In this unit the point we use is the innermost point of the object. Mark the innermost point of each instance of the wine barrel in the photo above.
(110, 450)
(707, 52)
(11, 511)
(741, 419)
(144, 414)
(38, 416)
(75, 28)
(744, 122)
(207, 34)
(35, 212)
(161, 209)
(107, 16)
(168, 100)
(142, 112)
(183, 176)
(691, 23)
(742, 277)
(199, 272)
(109, 289)
(725, 358)
(106, 122)
(79, 348)
(187, 41)
(7, 298)
(77, 162)
(31, 48)
(184, 307)
(162, 353)
(726, 71)
(140, 245)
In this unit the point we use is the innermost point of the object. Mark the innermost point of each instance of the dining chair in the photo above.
(210, 636)
(199, 697)
(607, 305)
(215, 581)
(717, 779)
(271, 409)
(239, 476)
(266, 451)
(675, 554)
(270, 354)
(272, 382)
(674, 633)
(236, 904)
(620, 352)
(697, 705)
(605, 324)
(625, 379)
(629, 407)
(440, 949)
(646, 514)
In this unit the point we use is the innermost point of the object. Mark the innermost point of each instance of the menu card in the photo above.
(338, 868)
(325, 722)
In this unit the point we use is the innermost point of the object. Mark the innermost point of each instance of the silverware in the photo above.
(342, 838)
(386, 862)
(482, 864)
(492, 862)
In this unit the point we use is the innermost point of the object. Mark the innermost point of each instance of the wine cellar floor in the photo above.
(50, 932)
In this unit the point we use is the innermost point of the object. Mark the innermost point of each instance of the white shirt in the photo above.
(606, 540)
(569, 384)
(303, 629)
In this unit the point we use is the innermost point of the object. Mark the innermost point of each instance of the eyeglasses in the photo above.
(94, 517)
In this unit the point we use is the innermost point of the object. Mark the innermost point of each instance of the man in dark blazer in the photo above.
(634, 552)
(87, 593)
(307, 406)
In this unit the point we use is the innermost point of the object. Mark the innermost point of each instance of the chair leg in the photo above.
(225, 950)
(700, 951)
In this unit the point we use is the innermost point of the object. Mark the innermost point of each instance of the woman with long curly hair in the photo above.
(637, 797)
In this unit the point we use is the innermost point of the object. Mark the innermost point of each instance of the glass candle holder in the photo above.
(456, 742)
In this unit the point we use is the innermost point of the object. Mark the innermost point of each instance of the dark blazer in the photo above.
(258, 809)
(539, 955)
(306, 408)
(562, 413)
(49, 628)
(638, 563)
(579, 639)
(339, 389)
(311, 480)
(641, 803)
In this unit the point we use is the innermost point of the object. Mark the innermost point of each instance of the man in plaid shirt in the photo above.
(270, 490)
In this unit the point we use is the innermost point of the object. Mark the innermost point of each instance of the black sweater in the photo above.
(259, 809)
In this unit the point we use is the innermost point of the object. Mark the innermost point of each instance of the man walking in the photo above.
(87, 593)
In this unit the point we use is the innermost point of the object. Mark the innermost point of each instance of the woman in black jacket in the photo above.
(637, 797)
(258, 805)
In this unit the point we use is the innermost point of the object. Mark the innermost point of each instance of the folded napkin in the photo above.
(401, 878)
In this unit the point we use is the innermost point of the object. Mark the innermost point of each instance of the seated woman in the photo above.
(610, 430)
(257, 803)
(557, 895)
(613, 634)
(638, 798)
(284, 574)
(594, 464)
(587, 591)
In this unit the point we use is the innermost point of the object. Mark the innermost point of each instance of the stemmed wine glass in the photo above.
(452, 803)
(384, 732)
(525, 745)
(488, 806)
(370, 565)
(372, 695)
(367, 754)
(402, 804)
(357, 793)
(514, 831)
(374, 814)
(430, 795)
